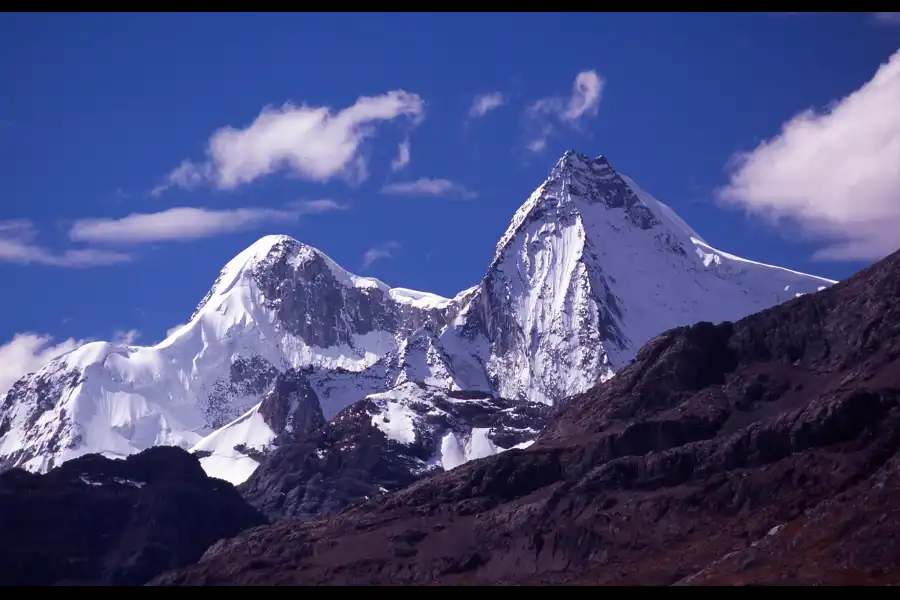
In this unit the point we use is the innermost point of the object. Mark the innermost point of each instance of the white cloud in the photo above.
(428, 187)
(126, 338)
(28, 352)
(836, 174)
(402, 157)
(316, 207)
(887, 18)
(587, 91)
(379, 252)
(539, 141)
(313, 143)
(187, 223)
(484, 103)
(18, 245)
(187, 176)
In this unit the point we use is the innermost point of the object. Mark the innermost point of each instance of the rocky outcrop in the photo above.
(384, 443)
(99, 521)
(291, 407)
(311, 299)
(758, 452)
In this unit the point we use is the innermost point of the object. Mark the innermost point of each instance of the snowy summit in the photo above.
(590, 268)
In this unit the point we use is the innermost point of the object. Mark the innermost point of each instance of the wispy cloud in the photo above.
(18, 244)
(836, 174)
(402, 159)
(312, 143)
(382, 251)
(316, 207)
(887, 18)
(26, 353)
(544, 115)
(187, 223)
(485, 103)
(126, 338)
(186, 176)
(429, 187)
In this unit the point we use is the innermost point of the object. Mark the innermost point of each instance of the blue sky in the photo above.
(106, 116)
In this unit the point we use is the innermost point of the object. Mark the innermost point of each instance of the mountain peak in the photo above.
(590, 268)
(263, 248)
(266, 242)
(575, 182)
(581, 160)
(268, 257)
(577, 162)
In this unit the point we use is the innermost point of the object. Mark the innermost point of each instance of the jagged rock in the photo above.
(384, 443)
(291, 407)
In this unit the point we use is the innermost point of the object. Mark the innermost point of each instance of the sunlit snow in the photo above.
(575, 287)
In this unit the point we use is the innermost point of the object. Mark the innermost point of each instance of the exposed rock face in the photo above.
(757, 452)
(246, 378)
(100, 521)
(291, 407)
(312, 302)
(384, 443)
(288, 411)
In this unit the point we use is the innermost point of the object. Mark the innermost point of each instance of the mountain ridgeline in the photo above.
(287, 343)
(616, 402)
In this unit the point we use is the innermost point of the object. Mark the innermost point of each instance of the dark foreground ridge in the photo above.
(94, 520)
(759, 452)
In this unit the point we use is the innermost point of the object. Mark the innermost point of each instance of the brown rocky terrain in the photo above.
(758, 452)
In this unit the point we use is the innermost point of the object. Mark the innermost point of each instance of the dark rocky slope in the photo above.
(94, 520)
(764, 451)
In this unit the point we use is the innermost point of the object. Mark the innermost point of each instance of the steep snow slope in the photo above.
(228, 453)
(590, 268)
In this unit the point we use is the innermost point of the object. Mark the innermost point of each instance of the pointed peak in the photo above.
(577, 161)
(581, 157)
(576, 182)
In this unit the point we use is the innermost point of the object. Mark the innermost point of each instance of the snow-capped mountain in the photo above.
(278, 305)
(590, 268)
